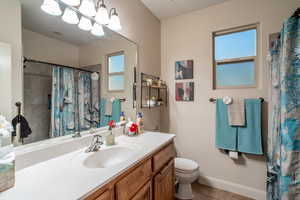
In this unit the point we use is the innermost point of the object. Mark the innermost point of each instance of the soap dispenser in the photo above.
(110, 138)
(122, 119)
(140, 123)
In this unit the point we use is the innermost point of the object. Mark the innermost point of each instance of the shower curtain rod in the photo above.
(48, 63)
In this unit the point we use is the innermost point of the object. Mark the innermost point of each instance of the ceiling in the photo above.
(169, 8)
(34, 19)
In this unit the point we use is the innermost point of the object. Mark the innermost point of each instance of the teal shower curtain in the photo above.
(75, 102)
(283, 181)
(84, 100)
(63, 102)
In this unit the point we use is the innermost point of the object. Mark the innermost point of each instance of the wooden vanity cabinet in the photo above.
(150, 179)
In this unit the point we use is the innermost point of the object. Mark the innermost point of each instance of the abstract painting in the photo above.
(184, 69)
(185, 91)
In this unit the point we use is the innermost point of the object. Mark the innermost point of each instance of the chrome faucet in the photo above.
(76, 134)
(95, 144)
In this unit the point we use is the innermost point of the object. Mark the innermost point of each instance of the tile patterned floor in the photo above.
(202, 192)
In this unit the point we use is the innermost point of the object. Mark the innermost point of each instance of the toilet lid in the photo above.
(183, 164)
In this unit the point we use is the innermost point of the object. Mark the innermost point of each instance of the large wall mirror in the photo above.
(73, 80)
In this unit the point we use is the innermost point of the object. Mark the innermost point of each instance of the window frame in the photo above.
(253, 59)
(115, 73)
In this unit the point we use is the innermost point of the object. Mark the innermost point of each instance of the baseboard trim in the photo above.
(233, 187)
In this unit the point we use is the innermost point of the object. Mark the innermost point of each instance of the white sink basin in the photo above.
(108, 157)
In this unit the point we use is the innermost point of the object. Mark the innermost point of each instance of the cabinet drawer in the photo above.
(104, 193)
(127, 187)
(105, 196)
(162, 157)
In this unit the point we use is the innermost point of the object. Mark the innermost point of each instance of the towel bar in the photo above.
(213, 100)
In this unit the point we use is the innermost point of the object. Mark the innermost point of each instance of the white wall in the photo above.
(190, 37)
(5, 78)
(10, 33)
(41, 47)
(96, 53)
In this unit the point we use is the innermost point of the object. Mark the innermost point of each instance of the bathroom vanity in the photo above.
(136, 168)
(150, 178)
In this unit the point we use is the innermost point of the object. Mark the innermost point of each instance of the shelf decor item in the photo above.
(7, 156)
(154, 91)
(184, 69)
(184, 91)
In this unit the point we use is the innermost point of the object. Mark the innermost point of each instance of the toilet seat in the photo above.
(186, 166)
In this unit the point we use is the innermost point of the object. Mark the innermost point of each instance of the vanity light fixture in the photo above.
(72, 2)
(87, 8)
(95, 76)
(114, 22)
(97, 30)
(102, 14)
(85, 24)
(70, 16)
(51, 7)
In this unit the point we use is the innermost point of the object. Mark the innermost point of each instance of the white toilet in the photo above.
(186, 171)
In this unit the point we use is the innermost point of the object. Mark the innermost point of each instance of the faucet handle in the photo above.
(97, 139)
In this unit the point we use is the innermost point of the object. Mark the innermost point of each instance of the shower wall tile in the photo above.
(37, 88)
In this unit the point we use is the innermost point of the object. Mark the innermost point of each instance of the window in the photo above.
(235, 57)
(115, 69)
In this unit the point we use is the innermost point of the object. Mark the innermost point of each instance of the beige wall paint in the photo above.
(41, 47)
(96, 53)
(190, 37)
(10, 33)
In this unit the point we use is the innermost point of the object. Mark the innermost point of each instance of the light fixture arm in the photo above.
(102, 4)
(114, 10)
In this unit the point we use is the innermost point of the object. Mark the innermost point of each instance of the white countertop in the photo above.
(66, 178)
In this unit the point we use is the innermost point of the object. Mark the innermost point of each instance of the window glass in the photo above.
(235, 45)
(116, 63)
(235, 74)
(116, 82)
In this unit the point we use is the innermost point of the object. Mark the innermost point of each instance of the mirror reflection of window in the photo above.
(116, 72)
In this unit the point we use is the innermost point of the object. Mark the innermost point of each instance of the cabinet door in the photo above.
(145, 193)
(164, 183)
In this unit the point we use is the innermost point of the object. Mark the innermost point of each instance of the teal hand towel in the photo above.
(116, 111)
(249, 136)
(226, 135)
